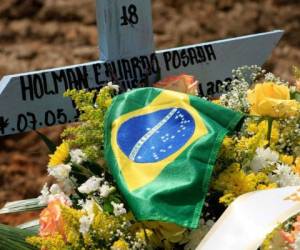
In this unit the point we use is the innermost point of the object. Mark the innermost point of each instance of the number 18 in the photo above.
(129, 15)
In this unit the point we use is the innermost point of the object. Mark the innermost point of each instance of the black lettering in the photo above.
(72, 81)
(82, 78)
(38, 86)
(210, 52)
(210, 88)
(47, 91)
(176, 59)
(136, 69)
(127, 69)
(145, 63)
(59, 77)
(97, 73)
(200, 90)
(193, 56)
(155, 68)
(119, 74)
(185, 58)
(167, 57)
(26, 88)
(201, 54)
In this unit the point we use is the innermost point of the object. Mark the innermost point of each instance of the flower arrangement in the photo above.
(87, 210)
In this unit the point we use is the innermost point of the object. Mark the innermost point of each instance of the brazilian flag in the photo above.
(161, 147)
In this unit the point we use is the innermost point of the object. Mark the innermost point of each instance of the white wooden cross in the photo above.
(32, 100)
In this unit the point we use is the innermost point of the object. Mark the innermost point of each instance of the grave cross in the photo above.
(32, 100)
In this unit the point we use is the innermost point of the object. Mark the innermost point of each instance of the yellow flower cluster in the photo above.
(120, 245)
(53, 242)
(253, 127)
(71, 218)
(105, 225)
(88, 136)
(60, 156)
(233, 182)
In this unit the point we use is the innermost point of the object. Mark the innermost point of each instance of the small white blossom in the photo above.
(105, 190)
(54, 193)
(60, 172)
(118, 209)
(44, 197)
(88, 207)
(55, 189)
(114, 86)
(77, 156)
(263, 158)
(85, 224)
(284, 176)
(90, 186)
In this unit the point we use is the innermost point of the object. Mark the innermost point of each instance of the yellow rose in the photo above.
(169, 231)
(181, 83)
(270, 99)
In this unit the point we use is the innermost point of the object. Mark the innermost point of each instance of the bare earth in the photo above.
(38, 34)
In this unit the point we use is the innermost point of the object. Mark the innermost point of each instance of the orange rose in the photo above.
(298, 85)
(181, 83)
(51, 221)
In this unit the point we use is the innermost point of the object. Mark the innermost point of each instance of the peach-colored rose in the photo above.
(51, 220)
(297, 83)
(181, 83)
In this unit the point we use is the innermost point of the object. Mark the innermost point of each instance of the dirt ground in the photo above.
(37, 34)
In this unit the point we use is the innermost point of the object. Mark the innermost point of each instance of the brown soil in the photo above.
(37, 34)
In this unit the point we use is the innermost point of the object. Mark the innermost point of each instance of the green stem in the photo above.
(270, 125)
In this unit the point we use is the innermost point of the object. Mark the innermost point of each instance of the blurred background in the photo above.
(37, 34)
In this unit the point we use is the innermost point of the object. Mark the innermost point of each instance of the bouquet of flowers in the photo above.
(91, 205)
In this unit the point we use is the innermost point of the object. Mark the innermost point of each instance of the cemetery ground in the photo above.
(37, 34)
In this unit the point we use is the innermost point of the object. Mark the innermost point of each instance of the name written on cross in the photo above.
(32, 100)
(126, 72)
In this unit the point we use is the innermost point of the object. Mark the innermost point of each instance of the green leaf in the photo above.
(297, 96)
(107, 207)
(31, 226)
(12, 238)
(50, 144)
(21, 206)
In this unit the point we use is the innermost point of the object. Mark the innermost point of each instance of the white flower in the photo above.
(77, 156)
(118, 208)
(60, 172)
(55, 189)
(85, 224)
(44, 197)
(90, 186)
(113, 86)
(284, 176)
(54, 193)
(105, 190)
(263, 158)
(88, 207)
